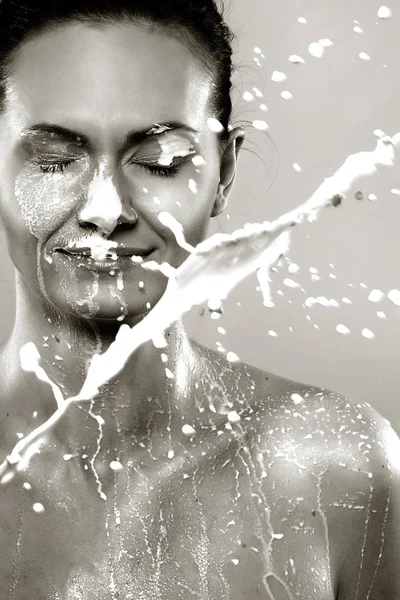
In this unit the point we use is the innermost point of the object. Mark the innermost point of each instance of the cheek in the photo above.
(189, 198)
(46, 201)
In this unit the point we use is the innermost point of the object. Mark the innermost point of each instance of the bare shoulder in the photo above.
(363, 506)
(336, 462)
(349, 457)
(353, 456)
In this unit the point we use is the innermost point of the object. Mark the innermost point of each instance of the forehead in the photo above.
(113, 77)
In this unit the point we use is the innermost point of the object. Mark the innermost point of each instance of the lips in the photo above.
(119, 251)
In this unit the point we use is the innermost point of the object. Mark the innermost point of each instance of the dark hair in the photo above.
(197, 23)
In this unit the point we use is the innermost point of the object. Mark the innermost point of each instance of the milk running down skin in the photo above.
(218, 264)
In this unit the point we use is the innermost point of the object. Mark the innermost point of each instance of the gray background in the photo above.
(338, 101)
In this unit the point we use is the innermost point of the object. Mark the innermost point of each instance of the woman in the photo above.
(278, 490)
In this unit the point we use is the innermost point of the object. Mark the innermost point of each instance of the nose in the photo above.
(108, 202)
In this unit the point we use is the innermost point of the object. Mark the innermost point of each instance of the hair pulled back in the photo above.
(196, 23)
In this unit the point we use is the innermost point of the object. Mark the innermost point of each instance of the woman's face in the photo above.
(61, 185)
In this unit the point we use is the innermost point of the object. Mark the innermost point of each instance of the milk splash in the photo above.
(211, 271)
(172, 147)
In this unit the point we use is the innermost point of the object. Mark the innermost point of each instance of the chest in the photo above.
(208, 525)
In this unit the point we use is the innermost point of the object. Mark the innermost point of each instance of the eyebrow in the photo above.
(133, 137)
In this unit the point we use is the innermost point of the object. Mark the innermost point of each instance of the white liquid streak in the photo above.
(214, 268)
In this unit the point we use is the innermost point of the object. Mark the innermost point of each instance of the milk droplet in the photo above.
(263, 107)
(159, 340)
(297, 399)
(234, 417)
(342, 329)
(188, 430)
(325, 42)
(295, 59)
(394, 296)
(198, 161)
(29, 357)
(278, 536)
(272, 333)
(115, 465)
(169, 374)
(193, 186)
(171, 454)
(232, 357)
(376, 296)
(278, 76)
(302, 20)
(14, 458)
(221, 330)
(367, 333)
(364, 56)
(214, 125)
(257, 50)
(215, 304)
(7, 477)
(235, 561)
(261, 125)
(286, 95)
(248, 97)
(141, 285)
(164, 358)
(384, 12)
(293, 268)
(67, 456)
(316, 50)
(27, 486)
(290, 283)
(38, 507)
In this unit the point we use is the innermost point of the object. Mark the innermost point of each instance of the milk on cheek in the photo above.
(192, 196)
(47, 202)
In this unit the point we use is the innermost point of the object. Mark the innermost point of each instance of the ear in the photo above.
(228, 170)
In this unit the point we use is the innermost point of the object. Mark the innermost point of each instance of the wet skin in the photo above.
(274, 506)
(262, 508)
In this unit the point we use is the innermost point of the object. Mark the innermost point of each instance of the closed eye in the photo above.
(55, 167)
(160, 170)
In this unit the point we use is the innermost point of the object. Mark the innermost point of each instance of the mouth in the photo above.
(120, 260)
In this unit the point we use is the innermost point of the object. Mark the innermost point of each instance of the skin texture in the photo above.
(299, 498)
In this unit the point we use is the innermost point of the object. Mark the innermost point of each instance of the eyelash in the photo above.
(154, 169)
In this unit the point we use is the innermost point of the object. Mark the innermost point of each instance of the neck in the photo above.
(67, 344)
